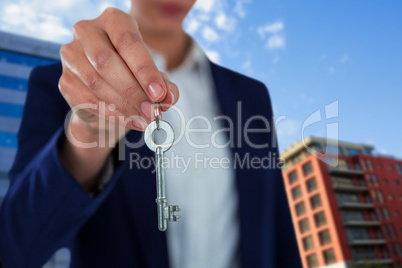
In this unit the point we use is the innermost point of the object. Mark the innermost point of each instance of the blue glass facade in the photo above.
(18, 56)
(13, 85)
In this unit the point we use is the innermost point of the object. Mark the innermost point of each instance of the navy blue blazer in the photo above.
(46, 209)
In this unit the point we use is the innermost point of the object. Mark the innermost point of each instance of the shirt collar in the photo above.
(194, 60)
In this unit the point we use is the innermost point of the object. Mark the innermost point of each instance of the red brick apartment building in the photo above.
(346, 207)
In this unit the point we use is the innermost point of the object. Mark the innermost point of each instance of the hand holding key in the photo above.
(165, 212)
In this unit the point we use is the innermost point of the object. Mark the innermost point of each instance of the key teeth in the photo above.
(172, 210)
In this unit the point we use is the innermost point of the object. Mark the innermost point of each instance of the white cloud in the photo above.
(344, 58)
(21, 19)
(331, 69)
(239, 8)
(213, 56)
(50, 20)
(209, 34)
(192, 26)
(105, 5)
(275, 42)
(270, 28)
(204, 5)
(127, 4)
(272, 33)
(225, 23)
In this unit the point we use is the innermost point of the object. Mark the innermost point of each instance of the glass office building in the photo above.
(18, 56)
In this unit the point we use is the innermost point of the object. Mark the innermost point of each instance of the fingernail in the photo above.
(147, 109)
(171, 93)
(155, 90)
(140, 123)
(145, 119)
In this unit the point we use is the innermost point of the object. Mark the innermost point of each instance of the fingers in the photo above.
(123, 33)
(173, 96)
(108, 62)
(104, 72)
(90, 108)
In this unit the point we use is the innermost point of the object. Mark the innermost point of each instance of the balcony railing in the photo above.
(354, 204)
(369, 259)
(359, 222)
(348, 187)
(344, 170)
(364, 239)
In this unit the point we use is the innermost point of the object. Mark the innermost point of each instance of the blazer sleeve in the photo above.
(45, 206)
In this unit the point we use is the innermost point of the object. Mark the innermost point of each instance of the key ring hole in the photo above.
(159, 136)
(149, 136)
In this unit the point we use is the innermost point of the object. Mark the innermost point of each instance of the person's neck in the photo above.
(173, 46)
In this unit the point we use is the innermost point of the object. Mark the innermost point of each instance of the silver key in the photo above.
(165, 212)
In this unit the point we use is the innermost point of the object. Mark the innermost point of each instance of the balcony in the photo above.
(343, 170)
(369, 259)
(349, 222)
(365, 240)
(348, 187)
(354, 204)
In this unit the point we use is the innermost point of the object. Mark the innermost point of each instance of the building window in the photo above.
(308, 242)
(357, 166)
(374, 196)
(385, 181)
(379, 213)
(379, 166)
(396, 213)
(398, 249)
(315, 201)
(320, 219)
(352, 151)
(392, 230)
(396, 182)
(300, 209)
(391, 247)
(390, 197)
(292, 177)
(399, 168)
(386, 232)
(325, 237)
(304, 226)
(332, 149)
(380, 196)
(311, 185)
(329, 256)
(307, 168)
(386, 213)
(375, 180)
(296, 192)
(316, 146)
(312, 261)
(367, 150)
(369, 180)
(363, 164)
(369, 164)
(390, 167)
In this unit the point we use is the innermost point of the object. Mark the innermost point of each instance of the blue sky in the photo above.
(308, 53)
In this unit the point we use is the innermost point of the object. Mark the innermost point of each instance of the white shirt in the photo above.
(199, 173)
(207, 235)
